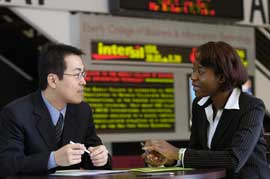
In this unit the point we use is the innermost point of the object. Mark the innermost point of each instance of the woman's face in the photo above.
(204, 80)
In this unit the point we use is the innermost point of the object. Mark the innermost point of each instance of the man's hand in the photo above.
(98, 155)
(69, 154)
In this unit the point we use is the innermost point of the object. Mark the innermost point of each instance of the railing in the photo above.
(15, 68)
(262, 47)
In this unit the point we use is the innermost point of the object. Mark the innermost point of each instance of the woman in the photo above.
(227, 124)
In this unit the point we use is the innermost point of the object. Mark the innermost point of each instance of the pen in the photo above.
(156, 173)
(84, 148)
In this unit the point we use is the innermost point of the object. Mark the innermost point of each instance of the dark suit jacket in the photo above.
(27, 135)
(238, 143)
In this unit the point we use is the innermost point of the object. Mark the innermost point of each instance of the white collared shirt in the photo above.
(232, 103)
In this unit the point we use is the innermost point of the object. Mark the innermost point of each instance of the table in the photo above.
(194, 174)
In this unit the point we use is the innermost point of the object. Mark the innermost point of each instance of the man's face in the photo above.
(70, 88)
(204, 80)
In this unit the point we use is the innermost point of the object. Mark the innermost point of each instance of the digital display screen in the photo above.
(147, 53)
(227, 9)
(125, 101)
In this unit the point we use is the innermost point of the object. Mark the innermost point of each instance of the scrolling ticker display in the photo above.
(147, 53)
(225, 9)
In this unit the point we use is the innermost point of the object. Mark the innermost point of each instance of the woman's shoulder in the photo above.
(246, 101)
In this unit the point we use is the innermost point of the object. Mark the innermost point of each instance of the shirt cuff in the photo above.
(51, 162)
(181, 154)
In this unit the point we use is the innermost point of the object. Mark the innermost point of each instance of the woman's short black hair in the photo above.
(52, 60)
(225, 61)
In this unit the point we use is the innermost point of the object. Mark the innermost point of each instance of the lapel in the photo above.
(44, 121)
(205, 125)
(70, 125)
(224, 123)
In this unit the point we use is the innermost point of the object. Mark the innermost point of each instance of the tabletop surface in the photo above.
(193, 174)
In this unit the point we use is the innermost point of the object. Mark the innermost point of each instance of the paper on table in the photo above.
(159, 169)
(100, 172)
(85, 172)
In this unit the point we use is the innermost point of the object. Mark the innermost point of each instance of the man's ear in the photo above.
(51, 79)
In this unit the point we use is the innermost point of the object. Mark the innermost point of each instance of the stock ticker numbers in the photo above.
(225, 9)
(198, 7)
(131, 101)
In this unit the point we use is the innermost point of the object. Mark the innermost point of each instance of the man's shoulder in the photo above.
(21, 103)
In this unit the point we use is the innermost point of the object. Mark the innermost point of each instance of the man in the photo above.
(37, 130)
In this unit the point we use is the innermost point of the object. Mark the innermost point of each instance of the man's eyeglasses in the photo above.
(78, 76)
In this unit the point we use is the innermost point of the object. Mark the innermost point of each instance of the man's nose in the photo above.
(83, 82)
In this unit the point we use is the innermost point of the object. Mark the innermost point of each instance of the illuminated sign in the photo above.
(125, 101)
(204, 8)
(147, 53)
(243, 56)
(136, 52)
(227, 9)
